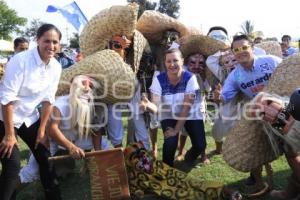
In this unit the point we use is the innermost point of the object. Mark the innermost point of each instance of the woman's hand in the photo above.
(170, 132)
(144, 103)
(217, 93)
(76, 152)
(41, 138)
(7, 144)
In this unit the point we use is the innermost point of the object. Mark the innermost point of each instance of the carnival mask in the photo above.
(196, 64)
(119, 44)
(169, 37)
(138, 157)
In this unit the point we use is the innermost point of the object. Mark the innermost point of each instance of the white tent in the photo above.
(6, 45)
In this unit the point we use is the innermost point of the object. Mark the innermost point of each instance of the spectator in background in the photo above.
(258, 40)
(219, 33)
(288, 49)
(64, 59)
(20, 44)
(79, 55)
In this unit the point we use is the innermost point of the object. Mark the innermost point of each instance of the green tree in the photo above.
(31, 30)
(9, 21)
(247, 27)
(74, 41)
(169, 7)
(143, 5)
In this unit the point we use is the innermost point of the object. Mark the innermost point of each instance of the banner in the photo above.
(72, 13)
(108, 176)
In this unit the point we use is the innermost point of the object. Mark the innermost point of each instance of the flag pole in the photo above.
(81, 11)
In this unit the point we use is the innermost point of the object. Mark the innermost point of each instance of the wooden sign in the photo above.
(108, 176)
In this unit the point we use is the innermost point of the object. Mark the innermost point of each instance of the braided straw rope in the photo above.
(271, 47)
(247, 145)
(115, 77)
(117, 20)
(139, 44)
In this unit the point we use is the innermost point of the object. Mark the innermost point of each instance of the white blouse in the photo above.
(27, 82)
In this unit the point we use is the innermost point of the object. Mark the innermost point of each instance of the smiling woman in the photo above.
(48, 37)
(31, 78)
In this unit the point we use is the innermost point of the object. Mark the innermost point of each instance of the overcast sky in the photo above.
(273, 18)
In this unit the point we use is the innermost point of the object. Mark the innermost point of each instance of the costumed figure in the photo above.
(147, 176)
(111, 34)
(252, 143)
(74, 128)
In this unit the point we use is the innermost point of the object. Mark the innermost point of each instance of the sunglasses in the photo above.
(240, 49)
(116, 45)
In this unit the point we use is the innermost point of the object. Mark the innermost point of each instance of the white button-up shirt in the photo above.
(27, 82)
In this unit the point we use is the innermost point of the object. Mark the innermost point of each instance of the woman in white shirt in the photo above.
(31, 78)
(176, 93)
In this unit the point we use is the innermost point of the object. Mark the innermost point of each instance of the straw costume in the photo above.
(162, 31)
(253, 143)
(115, 76)
(155, 177)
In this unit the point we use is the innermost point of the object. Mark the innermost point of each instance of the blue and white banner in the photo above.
(72, 13)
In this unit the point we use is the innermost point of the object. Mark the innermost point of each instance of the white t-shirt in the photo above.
(172, 97)
(62, 104)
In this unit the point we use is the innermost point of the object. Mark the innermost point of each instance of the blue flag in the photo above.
(72, 13)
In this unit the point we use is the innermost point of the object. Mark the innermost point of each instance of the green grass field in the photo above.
(76, 186)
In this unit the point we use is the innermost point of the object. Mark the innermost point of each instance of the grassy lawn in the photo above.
(76, 186)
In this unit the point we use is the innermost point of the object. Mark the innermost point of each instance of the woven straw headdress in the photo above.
(153, 24)
(117, 20)
(115, 77)
(247, 146)
(271, 47)
(201, 44)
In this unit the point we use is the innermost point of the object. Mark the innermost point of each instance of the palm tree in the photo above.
(247, 27)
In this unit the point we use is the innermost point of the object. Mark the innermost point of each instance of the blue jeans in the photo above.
(195, 129)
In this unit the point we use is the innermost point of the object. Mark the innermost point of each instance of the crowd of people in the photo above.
(174, 98)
